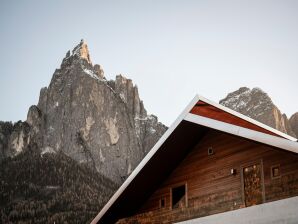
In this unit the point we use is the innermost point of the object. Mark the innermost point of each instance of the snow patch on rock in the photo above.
(91, 73)
(152, 130)
(47, 149)
(122, 97)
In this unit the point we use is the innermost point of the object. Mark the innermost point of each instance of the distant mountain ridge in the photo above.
(256, 104)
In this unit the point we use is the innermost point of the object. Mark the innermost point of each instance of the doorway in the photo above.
(253, 189)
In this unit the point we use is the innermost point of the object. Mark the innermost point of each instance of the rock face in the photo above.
(13, 138)
(94, 121)
(256, 104)
(294, 123)
(78, 144)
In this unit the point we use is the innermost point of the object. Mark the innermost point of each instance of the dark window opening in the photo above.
(275, 171)
(210, 151)
(162, 203)
(179, 196)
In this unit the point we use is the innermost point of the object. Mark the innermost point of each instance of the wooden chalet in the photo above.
(213, 165)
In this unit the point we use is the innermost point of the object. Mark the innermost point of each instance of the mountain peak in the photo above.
(257, 104)
(81, 50)
(79, 53)
(244, 96)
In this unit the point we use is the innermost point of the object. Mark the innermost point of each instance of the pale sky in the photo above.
(171, 49)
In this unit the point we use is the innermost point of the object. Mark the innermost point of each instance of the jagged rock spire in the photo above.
(80, 56)
(81, 50)
(99, 71)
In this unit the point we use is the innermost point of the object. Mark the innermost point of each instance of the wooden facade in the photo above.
(239, 173)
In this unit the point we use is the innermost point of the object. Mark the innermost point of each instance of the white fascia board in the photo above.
(146, 159)
(244, 132)
(235, 113)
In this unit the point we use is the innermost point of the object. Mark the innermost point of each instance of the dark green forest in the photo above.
(50, 188)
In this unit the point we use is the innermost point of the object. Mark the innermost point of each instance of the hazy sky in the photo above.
(170, 49)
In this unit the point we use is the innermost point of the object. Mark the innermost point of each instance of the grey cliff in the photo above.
(94, 121)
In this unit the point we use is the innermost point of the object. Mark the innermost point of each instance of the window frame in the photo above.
(272, 173)
(210, 151)
(186, 194)
(160, 202)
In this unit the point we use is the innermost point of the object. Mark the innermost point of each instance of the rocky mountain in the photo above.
(13, 138)
(78, 144)
(255, 103)
(94, 121)
(294, 123)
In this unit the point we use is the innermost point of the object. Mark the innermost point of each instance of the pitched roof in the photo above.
(176, 142)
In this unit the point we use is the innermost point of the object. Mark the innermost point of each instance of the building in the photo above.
(213, 165)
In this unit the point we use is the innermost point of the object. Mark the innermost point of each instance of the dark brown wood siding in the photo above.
(211, 188)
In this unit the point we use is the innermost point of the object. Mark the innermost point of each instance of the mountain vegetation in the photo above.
(50, 188)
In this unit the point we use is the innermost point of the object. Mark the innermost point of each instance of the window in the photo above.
(162, 203)
(179, 196)
(275, 171)
(210, 151)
